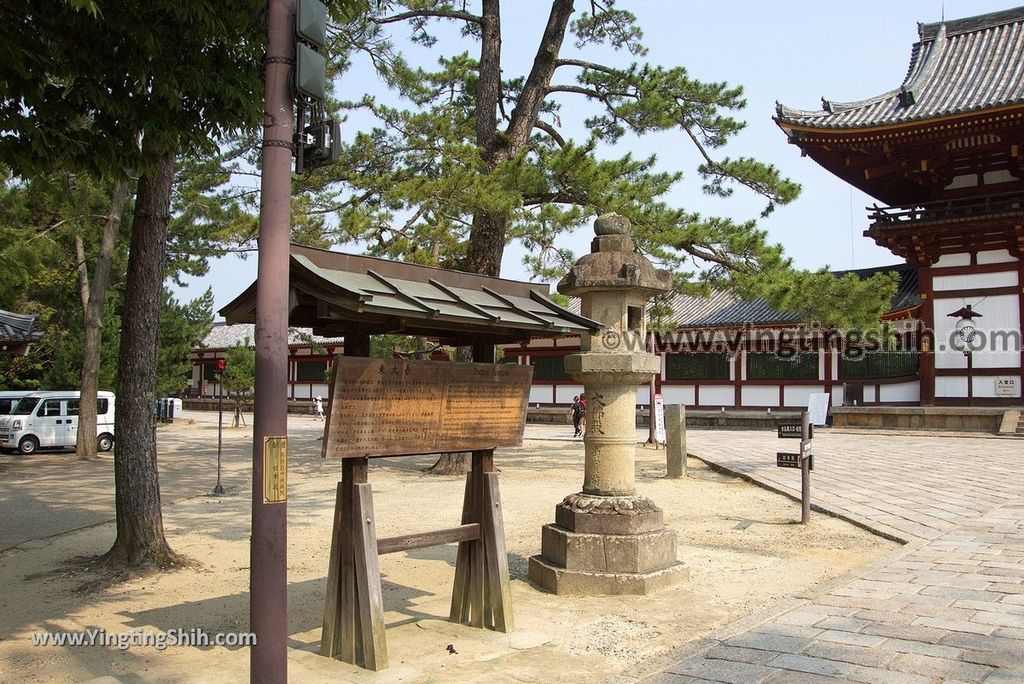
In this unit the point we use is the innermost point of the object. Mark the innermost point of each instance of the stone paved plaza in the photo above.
(947, 607)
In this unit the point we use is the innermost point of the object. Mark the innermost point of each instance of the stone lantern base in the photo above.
(603, 545)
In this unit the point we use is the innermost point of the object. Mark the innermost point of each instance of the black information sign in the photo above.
(794, 430)
(787, 460)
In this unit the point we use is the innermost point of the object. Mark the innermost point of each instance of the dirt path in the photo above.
(739, 542)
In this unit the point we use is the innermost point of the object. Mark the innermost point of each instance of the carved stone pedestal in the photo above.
(607, 545)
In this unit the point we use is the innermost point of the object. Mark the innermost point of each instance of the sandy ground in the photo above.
(740, 543)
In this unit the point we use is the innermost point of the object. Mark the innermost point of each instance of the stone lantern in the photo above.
(608, 539)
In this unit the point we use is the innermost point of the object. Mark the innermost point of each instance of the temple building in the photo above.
(725, 352)
(17, 332)
(944, 156)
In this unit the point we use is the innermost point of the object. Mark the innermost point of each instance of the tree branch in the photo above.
(550, 130)
(532, 96)
(434, 13)
(584, 65)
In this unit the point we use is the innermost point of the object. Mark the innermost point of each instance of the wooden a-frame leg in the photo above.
(330, 637)
(481, 595)
(492, 532)
(369, 597)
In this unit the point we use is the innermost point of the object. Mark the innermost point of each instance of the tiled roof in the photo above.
(907, 294)
(18, 327)
(223, 336)
(724, 308)
(759, 312)
(752, 311)
(956, 67)
(685, 308)
(332, 287)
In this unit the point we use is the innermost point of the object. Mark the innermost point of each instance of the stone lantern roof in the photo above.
(614, 264)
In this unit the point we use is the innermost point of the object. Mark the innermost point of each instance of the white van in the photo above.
(50, 420)
(9, 399)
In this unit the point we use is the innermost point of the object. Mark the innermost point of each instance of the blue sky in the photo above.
(790, 51)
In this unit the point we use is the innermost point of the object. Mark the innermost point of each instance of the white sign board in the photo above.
(659, 419)
(817, 407)
(1006, 387)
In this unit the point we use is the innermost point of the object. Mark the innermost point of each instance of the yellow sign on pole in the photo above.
(275, 469)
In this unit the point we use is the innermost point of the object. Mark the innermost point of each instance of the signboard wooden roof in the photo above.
(332, 291)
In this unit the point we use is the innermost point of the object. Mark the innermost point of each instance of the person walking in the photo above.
(319, 407)
(576, 412)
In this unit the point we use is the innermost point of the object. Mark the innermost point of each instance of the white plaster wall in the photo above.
(999, 329)
(900, 391)
(743, 365)
(946, 260)
(869, 393)
(643, 395)
(951, 386)
(838, 395)
(717, 395)
(756, 395)
(973, 281)
(565, 393)
(678, 394)
(985, 386)
(541, 394)
(835, 366)
(319, 390)
(799, 395)
(996, 256)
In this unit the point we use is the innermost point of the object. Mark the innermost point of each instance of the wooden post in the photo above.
(368, 592)
(330, 637)
(353, 627)
(805, 468)
(675, 433)
(492, 531)
(482, 595)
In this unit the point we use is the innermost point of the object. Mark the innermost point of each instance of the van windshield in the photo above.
(25, 406)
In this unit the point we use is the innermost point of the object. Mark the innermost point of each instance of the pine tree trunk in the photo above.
(140, 538)
(455, 463)
(93, 297)
(486, 244)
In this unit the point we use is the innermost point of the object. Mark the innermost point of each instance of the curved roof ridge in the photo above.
(957, 67)
(929, 62)
(980, 22)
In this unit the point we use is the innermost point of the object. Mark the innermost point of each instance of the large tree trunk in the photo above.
(140, 530)
(488, 234)
(486, 244)
(93, 297)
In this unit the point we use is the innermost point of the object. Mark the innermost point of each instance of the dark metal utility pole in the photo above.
(268, 578)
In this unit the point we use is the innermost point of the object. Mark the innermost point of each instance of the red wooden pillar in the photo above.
(926, 339)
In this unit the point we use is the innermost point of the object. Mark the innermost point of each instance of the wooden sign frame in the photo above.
(353, 622)
(403, 407)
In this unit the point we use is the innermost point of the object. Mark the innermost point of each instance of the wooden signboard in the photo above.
(793, 430)
(788, 460)
(397, 407)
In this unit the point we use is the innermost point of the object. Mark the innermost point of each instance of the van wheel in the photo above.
(28, 445)
(105, 443)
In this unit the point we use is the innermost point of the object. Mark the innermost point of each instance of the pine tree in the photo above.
(474, 157)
